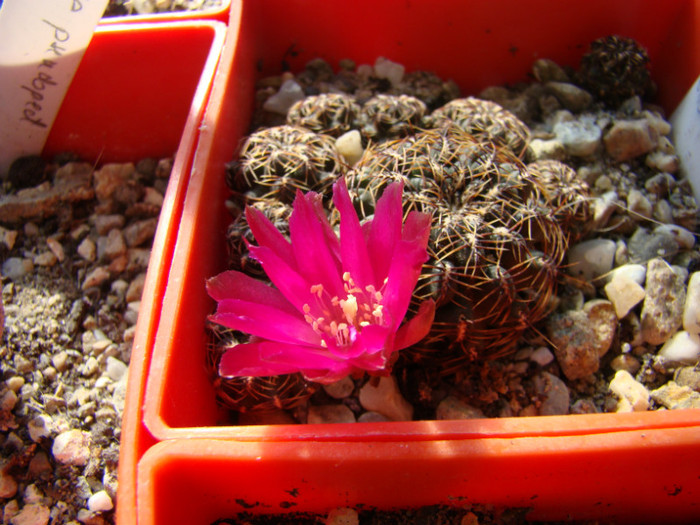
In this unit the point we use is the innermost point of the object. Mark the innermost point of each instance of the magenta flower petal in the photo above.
(266, 234)
(236, 284)
(338, 305)
(295, 288)
(264, 321)
(417, 327)
(246, 360)
(315, 260)
(406, 266)
(385, 229)
(353, 246)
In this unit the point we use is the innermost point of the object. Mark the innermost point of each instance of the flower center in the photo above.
(342, 319)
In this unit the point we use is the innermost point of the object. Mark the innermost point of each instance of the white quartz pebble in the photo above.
(591, 259)
(682, 348)
(691, 310)
(633, 396)
(624, 294)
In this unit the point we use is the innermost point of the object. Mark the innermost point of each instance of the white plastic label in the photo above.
(685, 123)
(41, 44)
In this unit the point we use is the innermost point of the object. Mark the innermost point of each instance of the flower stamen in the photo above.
(347, 316)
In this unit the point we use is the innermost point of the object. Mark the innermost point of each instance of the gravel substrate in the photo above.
(74, 248)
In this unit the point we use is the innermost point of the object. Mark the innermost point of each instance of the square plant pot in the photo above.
(131, 98)
(476, 45)
(547, 478)
(219, 13)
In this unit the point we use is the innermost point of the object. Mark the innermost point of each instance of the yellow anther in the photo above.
(349, 307)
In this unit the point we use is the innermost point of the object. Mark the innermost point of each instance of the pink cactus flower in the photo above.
(337, 304)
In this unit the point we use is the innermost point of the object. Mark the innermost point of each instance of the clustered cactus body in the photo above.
(500, 228)
(615, 69)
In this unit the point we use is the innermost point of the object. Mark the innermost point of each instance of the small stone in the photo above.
(628, 139)
(644, 245)
(634, 272)
(105, 223)
(115, 368)
(8, 237)
(626, 362)
(329, 414)
(45, 259)
(685, 238)
(385, 398)
(15, 383)
(581, 337)
(546, 70)
(603, 208)
(682, 348)
(554, 394)
(114, 244)
(624, 293)
(662, 310)
(591, 259)
(580, 138)
(56, 248)
(626, 388)
(657, 123)
(90, 367)
(663, 162)
(542, 356)
(691, 308)
(688, 376)
(343, 516)
(8, 485)
(140, 232)
(454, 408)
(16, 267)
(153, 197)
(100, 502)
(117, 183)
(8, 401)
(584, 406)
(87, 249)
(663, 212)
(96, 277)
(570, 96)
(372, 417)
(32, 494)
(676, 397)
(32, 514)
(40, 427)
(40, 467)
(60, 361)
(135, 288)
(341, 388)
(660, 184)
(392, 71)
(72, 448)
(638, 206)
(349, 145)
(138, 259)
(540, 149)
(31, 229)
(87, 517)
(290, 92)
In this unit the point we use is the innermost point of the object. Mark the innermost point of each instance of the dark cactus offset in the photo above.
(615, 69)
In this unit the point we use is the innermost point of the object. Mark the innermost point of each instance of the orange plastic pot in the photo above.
(133, 97)
(477, 44)
(195, 482)
(219, 14)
